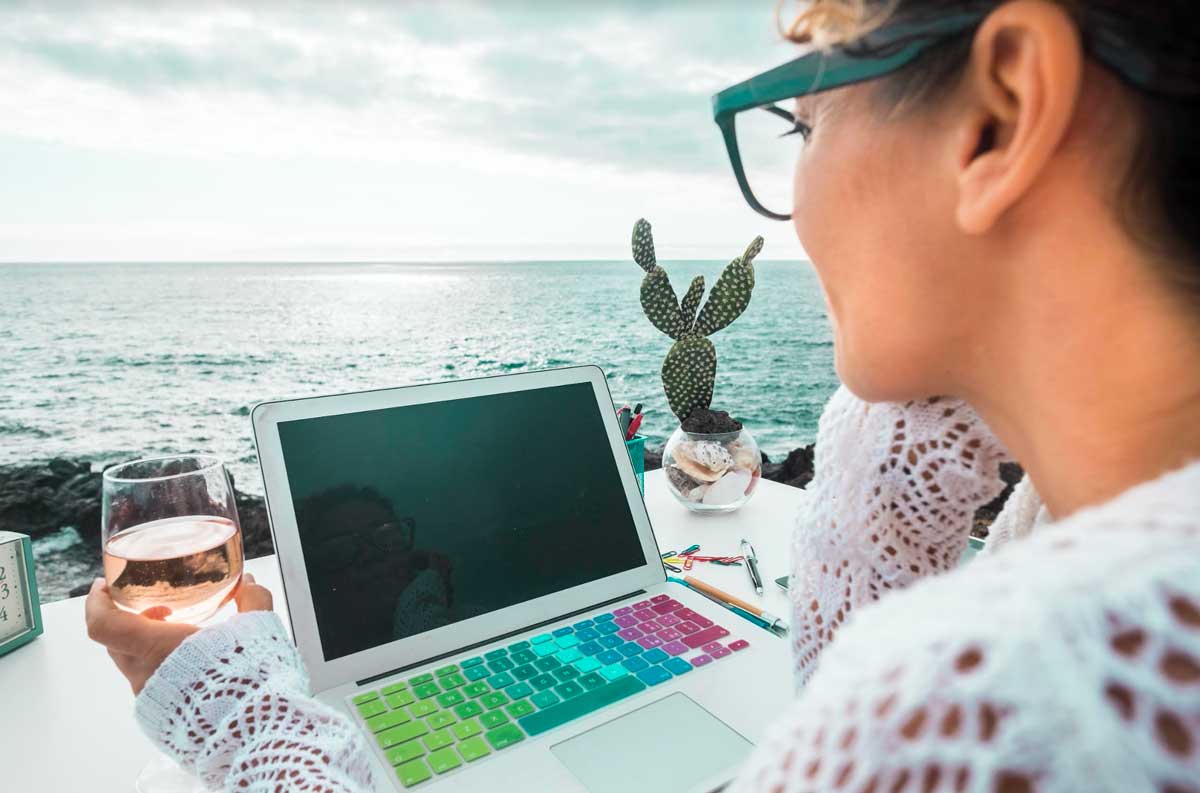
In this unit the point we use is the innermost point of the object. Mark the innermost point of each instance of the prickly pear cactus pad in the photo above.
(643, 245)
(691, 301)
(660, 304)
(731, 293)
(688, 374)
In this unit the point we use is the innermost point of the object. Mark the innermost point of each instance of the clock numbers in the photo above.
(3, 591)
(1, 572)
(4, 615)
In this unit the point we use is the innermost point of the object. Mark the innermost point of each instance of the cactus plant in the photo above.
(690, 368)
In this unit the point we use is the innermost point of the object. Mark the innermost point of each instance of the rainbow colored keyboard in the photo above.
(460, 713)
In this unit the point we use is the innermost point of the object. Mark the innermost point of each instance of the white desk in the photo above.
(66, 714)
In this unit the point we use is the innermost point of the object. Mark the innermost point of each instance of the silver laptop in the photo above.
(472, 576)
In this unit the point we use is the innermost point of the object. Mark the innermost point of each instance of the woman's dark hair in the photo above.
(1160, 193)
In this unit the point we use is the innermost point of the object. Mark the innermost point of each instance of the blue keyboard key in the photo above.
(544, 649)
(501, 679)
(518, 690)
(494, 654)
(654, 675)
(608, 627)
(563, 631)
(611, 641)
(582, 624)
(541, 637)
(566, 640)
(477, 672)
(655, 656)
(615, 672)
(676, 666)
(606, 617)
(512, 648)
(635, 664)
(476, 661)
(568, 655)
(590, 648)
(629, 649)
(609, 657)
(586, 665)
(587, 634)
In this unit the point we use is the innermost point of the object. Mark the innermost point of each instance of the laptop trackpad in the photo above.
(669, 745)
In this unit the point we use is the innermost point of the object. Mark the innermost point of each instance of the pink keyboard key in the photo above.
(667, 620)
(740, 644)
(720, 652)
(650, 626)
(686, 614)
(705, 636)
(649, 642)
(666, 606)
(701, 660)
(621, 612)
(641, 604)
(708, 648)
(669, 634)
(660, 598)
(643, 615)
(675, 648)
(687, 627)
(626, 620)
(629, 634)
(703, 622)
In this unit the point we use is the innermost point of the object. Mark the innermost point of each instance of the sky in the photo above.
(400, 131)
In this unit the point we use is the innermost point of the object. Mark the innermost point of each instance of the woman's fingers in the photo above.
(252, 597)
(116, 629)
(136, 643)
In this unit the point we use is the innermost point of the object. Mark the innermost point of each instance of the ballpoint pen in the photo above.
(748, 611)
(752, 566)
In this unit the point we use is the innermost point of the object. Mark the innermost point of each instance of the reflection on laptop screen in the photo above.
(416, 517)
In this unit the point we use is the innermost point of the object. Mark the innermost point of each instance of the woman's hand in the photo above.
(138, 643)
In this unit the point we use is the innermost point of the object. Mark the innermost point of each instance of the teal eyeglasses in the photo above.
(762, 167)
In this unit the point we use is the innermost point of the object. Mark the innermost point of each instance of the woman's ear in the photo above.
(1022, 84)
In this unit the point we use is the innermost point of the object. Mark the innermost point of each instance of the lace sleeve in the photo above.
(231, 704)
(895, 491)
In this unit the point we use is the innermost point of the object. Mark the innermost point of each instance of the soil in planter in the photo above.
(703, 420)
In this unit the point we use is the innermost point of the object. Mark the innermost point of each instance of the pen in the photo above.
(777, 625)
(752, 566)
(623, 418)
(633, 426)
(760, 622)
(637, 408)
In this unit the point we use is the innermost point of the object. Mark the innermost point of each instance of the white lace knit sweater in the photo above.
(1065, 658)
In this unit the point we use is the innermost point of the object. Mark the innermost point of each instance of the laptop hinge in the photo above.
(470, 647)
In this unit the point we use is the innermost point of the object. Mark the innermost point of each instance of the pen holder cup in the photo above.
(637, 455)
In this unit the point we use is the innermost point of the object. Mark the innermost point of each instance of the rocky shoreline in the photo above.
(57, 502)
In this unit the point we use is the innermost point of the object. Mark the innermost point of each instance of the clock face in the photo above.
(14, 616)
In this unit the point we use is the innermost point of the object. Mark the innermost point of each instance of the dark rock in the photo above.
(1011, 473)
(710, 422)
(653, 458)
(796, 470)
(680, 480)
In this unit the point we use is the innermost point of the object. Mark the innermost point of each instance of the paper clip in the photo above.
(672, 568)
(689, 550)
(687, 563)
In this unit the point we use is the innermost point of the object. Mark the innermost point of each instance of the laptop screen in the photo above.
(416, 517)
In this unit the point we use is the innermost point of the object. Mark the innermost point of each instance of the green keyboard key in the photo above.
(478, 672)
(614, 672)
(419, 709)
(542, 681)
(547, 664)
(386, 721)
(405, 752)
(394, 687)
(523, 656)
(501, 680)
(493, 700)
(502, 737)
(549, 718)
(548, 648)
(399, 699)
(414, 772)
(497, 653)
(567, 656)
(372, 708)
(519, 709)
(465, 729)
(501, 665)
(436, 740)
(476, 689)
(450, 699)
(566, 673)
(405, 732)
(493, 719)
(518, 690)
(452, 680)
(441, 719)
(586, 665)
(469, 662)
(541, 638)
(473, 748)
(420, 679)
(518, 647)
(426, 690)
(445, 670)
(591, 680)
(568, 689)
(545, 699)
(444, 760)
(524, 672)
(468, 709)
(367, 697)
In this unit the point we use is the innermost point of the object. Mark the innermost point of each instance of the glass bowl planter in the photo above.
(714, 472)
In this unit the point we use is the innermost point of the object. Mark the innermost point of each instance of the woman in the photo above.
(1008, 218)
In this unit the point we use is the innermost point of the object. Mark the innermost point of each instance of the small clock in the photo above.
(20, 609)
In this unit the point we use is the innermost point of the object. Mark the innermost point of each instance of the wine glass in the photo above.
(172, 548)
